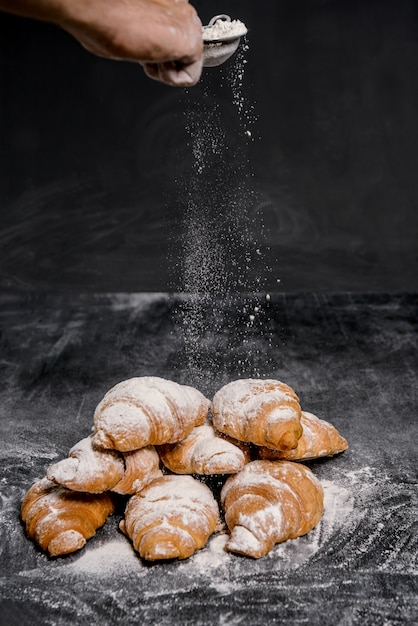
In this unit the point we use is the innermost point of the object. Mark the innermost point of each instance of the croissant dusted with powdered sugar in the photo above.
(61, 520)
(269, 502)
(264, 412)
(147, 411)
(95, 470)
(171, 518)
(88, 468)
(204, 451)
(319, 438)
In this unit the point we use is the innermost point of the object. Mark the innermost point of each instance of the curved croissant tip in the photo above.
(279, 440)
(343, 444)
(162, 550)
(243, 541)
(224, 463)
(63, 471)
(163, 542)
(66, 542)
(101, 439)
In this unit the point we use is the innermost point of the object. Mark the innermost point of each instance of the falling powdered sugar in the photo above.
(221, 252)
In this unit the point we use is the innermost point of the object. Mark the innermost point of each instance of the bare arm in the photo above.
(164, 36)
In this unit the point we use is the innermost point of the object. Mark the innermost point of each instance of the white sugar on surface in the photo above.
(127, 415)
(244, 540)
(359, 507)
(108, 559)
(116, 558)
(224, 28)
(179, 491)
(240, 402)
(85, 465)
(265, 522)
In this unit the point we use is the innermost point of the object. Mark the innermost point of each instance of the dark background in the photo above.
(89, 152)
(100, 191)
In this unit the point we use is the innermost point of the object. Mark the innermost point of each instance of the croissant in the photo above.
(171, 518)
(264, 412)
(204, 452)
(88, 468)
(269, 502)
(61, 520)
(319, 438)
(141, 467)
(147, 411)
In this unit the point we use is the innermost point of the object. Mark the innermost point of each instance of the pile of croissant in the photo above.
(152, 438)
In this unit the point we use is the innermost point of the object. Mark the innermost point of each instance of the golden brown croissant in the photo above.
(61, 520)
(171, 518)
(264, 412)
(141, 467)
(88, 468)
(319, 438)
(204, 452)
(269, 502)
(147, 411)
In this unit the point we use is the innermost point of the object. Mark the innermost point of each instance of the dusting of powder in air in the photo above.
(222, 254)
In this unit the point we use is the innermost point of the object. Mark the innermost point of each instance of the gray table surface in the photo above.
(352, 359)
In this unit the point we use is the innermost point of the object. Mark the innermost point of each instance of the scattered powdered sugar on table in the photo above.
(338, 507)
(115, 556)
(362, 530)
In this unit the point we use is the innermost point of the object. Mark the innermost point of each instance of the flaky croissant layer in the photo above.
(147, 411)
(144, 423)
(88, 468)
(263, 412)
(205, 451)
(61, 520)
(171, 518)
(269, 502)
(319, 438)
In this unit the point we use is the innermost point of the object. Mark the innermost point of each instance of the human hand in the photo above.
(164, 36)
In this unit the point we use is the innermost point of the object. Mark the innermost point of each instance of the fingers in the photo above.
(175, 73)
(165, 36)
